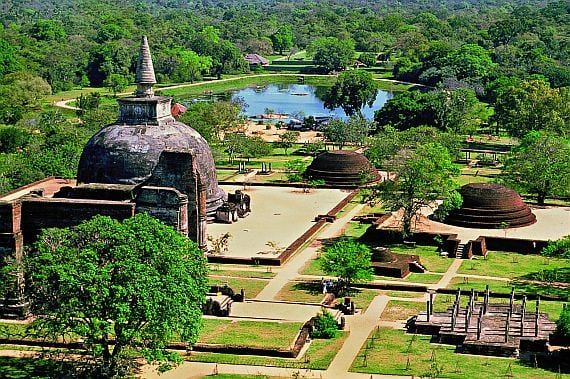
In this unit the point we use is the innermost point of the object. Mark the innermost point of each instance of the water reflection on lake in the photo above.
(294, 98)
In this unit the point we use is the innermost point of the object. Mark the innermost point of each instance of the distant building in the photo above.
(256, 60)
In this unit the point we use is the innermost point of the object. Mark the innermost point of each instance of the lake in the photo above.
(294, 98)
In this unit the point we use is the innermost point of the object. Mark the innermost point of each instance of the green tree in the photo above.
(116, 83)
(212, 120)
(331, 53)
(287, 140)
(136, 284)
(349, 260)
(559, 248)
(282, 39)
(13, 138)
(533, 105)
(48, 30)
(354, 131)
(188, 65)
(295, 170)
(423, 176)
(563, 322)
(540, 165)
(325, 325)
(471, 61)
(352, 90)
(8, 58)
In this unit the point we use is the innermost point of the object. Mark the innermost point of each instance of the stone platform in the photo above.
(487, 328)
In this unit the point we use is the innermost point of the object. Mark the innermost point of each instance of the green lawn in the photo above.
(414, 277)
(401, 310)
(218, 270)
(505, 287)
(355, 229)
(318, 357)
(429, 256)
(313, 268)
(393, 348)
(249, 333)
(312, 293)
(252, 287)
(522, 266)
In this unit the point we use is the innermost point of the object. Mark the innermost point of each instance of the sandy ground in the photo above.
(252, 128)
(275, 310)
(552, 223)
(279, 214)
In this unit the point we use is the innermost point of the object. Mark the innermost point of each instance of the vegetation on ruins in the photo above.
(348, 260)
(119, 286)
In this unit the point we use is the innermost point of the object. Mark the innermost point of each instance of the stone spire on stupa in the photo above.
(145, 71)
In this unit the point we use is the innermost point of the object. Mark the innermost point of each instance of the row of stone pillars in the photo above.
(265, 167)
(483, 310)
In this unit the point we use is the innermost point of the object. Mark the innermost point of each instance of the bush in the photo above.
(559, 248)
(325, 326)
(563, 323)
(453, 202)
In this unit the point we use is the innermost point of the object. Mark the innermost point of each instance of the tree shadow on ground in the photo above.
(312, 288)
(560, 275)
(20, 368)
(542, 289)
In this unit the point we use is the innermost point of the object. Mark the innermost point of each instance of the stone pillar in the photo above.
(202, 216)
(431, 303)
(523, 313)
(479, 323)
(428, 310)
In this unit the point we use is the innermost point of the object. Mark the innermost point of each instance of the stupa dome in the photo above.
(342, 168)
(128, 151)
(490, 206)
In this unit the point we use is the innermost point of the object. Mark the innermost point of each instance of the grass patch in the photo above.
(318, 357)
(249, 333)
(242, 274)
(313, 267)
(392, 349)
(429, 256)
(522, 266)
(301, 291)
(252, 287)
(401, 310)
(414, 277)
(521, 287)
(355, 229)
(311, 292)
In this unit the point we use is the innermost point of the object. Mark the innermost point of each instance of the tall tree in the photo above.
(331, 53)
(136, 284)
(352, 90)
(533, 105)
(540, 165)
(282, 39)
(353, 131)
(349, 260)
(423, 176)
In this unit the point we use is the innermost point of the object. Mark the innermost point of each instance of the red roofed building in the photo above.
(256, 60)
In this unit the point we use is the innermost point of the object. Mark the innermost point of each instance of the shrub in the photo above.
(454, 201)
(325, 326)
(559, 248)
(563, 323)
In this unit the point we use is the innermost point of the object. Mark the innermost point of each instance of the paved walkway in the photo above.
(291, 269)
(360, 327)
(448, 276)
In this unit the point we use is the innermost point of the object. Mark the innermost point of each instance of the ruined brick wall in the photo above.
(178, 170)
(40, 213)
(165, 204)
